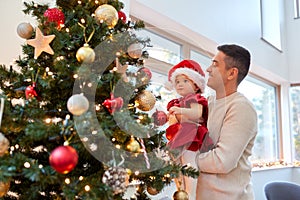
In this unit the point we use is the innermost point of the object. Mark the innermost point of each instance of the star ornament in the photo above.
(41, 43)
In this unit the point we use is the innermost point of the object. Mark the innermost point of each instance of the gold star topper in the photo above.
(41, 43)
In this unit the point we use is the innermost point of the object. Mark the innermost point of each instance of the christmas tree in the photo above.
(75, 121)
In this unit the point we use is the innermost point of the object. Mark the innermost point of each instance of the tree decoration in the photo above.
(121, 69)
(55, 15)
(107, 14)
(86, 54)
(63, 159)
(78, 104)
(41, 43)
(4, 187)
(152, 190)
(145, 73)
(117, 178)
(145, 101)
(159, 118)
(122, 16)
(113, 104)
(4, 143)
(25, 30)
(135, 50)
(30, 91)
(180, 195)
(133, 145)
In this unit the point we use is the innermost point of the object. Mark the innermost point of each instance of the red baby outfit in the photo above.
(189, 134)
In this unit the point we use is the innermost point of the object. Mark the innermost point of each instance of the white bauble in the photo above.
(78, 104)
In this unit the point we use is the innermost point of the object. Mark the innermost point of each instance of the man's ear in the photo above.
(233, 73)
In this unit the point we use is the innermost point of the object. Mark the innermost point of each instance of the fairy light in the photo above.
(41, 166)
(96, 2)
(48, 120)
(79, 2)
(67, 30)
(27, 165)
(118, 146)
(80, 178)
(67, 181)
(136, 173)
(82, 21)
(97, 107)
(17, 146)
(94, 132)
(87, 188)
(75, 76)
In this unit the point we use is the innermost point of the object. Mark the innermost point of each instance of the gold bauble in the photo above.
(107, 14)
(133, 145)
(4, 144)
(180, 195)
(4, 187)
(85, 54)
(145, 101)
(25, 30)
(135, 50)
(152, 190)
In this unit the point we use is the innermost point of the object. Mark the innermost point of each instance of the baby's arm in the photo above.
(194, 113)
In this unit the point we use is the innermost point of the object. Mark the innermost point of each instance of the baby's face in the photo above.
(184, 85)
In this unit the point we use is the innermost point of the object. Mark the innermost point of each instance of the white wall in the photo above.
(230, 21)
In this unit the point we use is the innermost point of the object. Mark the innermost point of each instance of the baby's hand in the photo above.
(175, 110)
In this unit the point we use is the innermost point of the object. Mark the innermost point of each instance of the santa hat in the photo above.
(191, 69)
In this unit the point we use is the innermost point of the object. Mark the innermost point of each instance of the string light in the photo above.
(67, 181)
(118, 146)
(80, 178)
(87, 188)
(27, 165)
(75, 76)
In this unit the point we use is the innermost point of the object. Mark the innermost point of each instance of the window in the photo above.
(162, 49)
(263, 96)
(296, 9)
(295, 120)
(270, 22)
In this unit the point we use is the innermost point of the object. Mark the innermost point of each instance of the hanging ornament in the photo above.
(30, 91)
(144, 74)
(133, 145)
(85, 54)
(63, 159)
(117, 178)
(113, 104)
(25, 30)
(55, 15)
(121, 69)
(122, 16)
(145, 101)
(135, 50)
(152, 190)
(41, 43)
(107, 14)
(159, 118)
(180, 195)
(4, 143)
(4, 187)
(78, 104)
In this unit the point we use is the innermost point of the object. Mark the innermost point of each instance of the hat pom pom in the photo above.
(168, 85)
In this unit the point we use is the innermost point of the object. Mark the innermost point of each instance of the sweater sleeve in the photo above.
(239, 128)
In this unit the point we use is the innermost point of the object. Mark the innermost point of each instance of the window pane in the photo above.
(270, 21)
(162, 48)
(296, 8)
(203, 60)
(295, 119)
(263, 96)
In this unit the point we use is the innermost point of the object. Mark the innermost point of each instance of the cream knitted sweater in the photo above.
(225, 171)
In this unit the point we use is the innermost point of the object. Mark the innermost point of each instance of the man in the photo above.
(225, 171)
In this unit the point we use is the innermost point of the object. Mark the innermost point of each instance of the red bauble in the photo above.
(159, 117)
(122, 16)
(63, 159)
(55, 15)
(113, 104)
(30, 91)
(146, 71)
